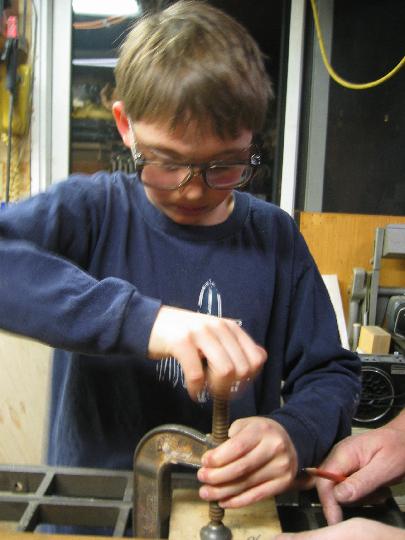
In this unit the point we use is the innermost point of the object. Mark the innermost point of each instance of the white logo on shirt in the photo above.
(168, 369)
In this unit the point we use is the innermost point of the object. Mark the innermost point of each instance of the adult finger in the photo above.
(331, 508)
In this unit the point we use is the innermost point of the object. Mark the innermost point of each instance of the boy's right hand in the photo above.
(210, 349)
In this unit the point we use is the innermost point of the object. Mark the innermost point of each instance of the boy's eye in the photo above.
(171, 166)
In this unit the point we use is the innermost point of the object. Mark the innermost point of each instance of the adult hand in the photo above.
(257, 461)
(372, 459)
(210, 349)
(358, 528)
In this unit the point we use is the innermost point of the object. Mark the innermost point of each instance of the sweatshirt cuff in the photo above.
(140, 316)
(301, 434)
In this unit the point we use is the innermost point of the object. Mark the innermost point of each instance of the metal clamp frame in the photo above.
(156, 453)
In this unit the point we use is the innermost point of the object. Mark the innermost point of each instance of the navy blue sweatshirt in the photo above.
(85, 267)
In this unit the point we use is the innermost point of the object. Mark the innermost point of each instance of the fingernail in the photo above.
(203, 493)
(344, 492)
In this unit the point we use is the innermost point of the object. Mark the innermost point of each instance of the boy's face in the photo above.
(195, 203)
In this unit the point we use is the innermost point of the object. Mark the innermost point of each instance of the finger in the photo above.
(331, 508)
(193, 369)
(230, 338)
(234, 494)
(238, 426)
(245, 434)
(343, 459)
(359, 484)
(260, 477)
(242, 357)
(229, 451)
(245, 495)
(201, 353)
(215, 347)
(257, 355)
(234, 469)
(247, 355)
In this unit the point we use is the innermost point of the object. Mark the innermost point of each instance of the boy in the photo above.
(139, 281)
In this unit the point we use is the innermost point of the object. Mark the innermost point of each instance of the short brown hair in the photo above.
(193, 61)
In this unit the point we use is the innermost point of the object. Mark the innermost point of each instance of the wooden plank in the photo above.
(43, 536)
(189, 514)
(341, 242)
(24, 381)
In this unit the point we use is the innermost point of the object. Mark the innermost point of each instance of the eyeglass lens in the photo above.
(220, 177)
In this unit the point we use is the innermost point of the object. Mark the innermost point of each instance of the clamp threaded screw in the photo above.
(216, 530)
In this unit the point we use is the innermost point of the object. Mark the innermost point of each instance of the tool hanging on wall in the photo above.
(10, 57)
(15, 91)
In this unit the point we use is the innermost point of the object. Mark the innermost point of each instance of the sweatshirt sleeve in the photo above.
(321, 379)
(47, 294)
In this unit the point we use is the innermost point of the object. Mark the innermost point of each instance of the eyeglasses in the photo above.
(215, 174)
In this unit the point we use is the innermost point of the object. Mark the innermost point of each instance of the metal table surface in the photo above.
(32, 497)
(100, 502)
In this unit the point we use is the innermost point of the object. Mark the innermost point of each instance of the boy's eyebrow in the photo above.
(159, 149)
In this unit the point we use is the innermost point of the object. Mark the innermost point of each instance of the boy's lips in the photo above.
(190, 209)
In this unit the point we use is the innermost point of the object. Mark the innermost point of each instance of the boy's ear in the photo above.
(122, 122)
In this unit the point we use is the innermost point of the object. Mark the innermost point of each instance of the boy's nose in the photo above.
(195, 187)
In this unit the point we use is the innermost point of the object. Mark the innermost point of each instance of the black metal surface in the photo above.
(300, 511)
(36, 496)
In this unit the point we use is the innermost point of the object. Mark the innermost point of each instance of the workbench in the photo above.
(38, 536)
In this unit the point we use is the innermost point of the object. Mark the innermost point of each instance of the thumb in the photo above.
(358, 485)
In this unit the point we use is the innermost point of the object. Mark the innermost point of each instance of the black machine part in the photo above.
(396, 316)
(383, 389)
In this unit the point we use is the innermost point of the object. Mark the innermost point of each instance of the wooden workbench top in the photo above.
(40, 536)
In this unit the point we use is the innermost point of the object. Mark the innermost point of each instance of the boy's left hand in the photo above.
(257, 461)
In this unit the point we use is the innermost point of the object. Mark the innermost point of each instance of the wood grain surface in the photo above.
(341, 242)
(189, 514)
(24, 380)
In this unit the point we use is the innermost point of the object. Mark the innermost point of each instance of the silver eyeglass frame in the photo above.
(194, 169)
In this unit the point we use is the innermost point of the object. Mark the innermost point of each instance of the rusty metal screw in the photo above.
(220, 420)
(216, 530)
